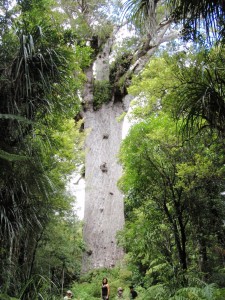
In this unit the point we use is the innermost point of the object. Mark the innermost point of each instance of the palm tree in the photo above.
(201, 13)
(201, 94)
(142, 12)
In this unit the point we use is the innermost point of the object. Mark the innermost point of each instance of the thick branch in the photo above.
(151, 45)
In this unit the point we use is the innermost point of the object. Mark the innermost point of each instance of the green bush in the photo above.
(102, 93)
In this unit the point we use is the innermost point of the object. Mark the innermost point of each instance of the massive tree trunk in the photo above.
(104, 211)
(104, 208)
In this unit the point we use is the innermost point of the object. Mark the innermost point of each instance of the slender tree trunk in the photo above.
(31, 265)
(179, 235)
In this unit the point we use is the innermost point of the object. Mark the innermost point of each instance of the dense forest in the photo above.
(170, 61)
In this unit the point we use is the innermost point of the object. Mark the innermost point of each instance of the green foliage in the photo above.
(205, 292)
(154, 87)
(158, 292)
(195, 80)
(119, 67)
(90, 18)
(90, 287)
(167, 201)
(102, 93)
(40, 145)
(119, 74)
(206, 101)
(38, 287)
(206, 14)
(204, 18)
(60, 250)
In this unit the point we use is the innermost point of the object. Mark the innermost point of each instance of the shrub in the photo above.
(102, 93)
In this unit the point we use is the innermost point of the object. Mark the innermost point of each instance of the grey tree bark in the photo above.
(104, 208)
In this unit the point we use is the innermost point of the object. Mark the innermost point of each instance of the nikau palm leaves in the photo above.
(201, 100)
(204, 101)
(142, 12)
(200, 13)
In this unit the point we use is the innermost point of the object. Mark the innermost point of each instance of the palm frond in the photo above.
(201, 96)
(200, 13)
(142, 12)
(203, 103)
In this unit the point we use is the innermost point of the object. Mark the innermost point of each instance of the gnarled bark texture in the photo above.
(104, 209)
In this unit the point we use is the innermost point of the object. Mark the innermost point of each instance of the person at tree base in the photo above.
(68, 296)
(105, 289)
(133, 293)
(119, 293)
